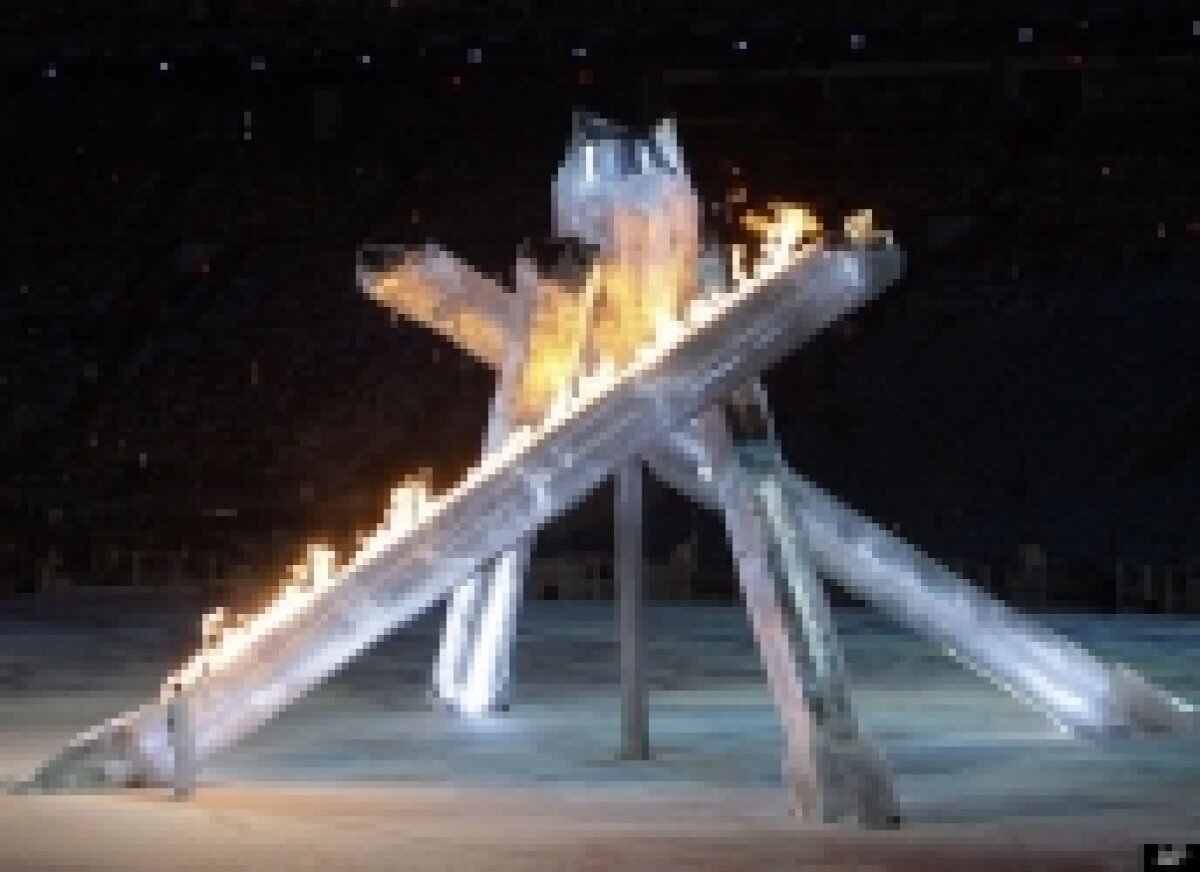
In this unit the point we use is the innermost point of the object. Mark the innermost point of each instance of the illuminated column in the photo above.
(833, 772)
(628, 577)
(855, 781)
(471, 672)
(748, 538)
(484, 683)
(462, 616)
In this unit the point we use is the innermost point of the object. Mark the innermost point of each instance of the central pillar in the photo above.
(183, 742)
(628, 576)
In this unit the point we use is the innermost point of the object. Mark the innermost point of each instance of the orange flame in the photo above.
(634, 303)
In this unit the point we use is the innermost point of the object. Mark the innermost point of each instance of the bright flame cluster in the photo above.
(576, 356)
(783, 232)
(226, 638)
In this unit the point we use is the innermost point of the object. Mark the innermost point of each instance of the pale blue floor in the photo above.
(960, 750)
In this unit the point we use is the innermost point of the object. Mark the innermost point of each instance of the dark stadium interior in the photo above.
(192, 386)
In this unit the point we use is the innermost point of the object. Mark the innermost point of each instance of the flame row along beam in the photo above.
(515, 492)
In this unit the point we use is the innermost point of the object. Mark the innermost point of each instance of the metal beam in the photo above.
(628, 576)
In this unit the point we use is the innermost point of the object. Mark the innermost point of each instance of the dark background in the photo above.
(192, 386)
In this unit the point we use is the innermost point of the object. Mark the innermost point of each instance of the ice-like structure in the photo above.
(643, 345)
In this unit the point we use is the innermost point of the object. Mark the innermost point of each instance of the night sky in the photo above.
(186, 363)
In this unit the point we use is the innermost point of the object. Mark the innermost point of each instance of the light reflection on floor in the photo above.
(960, 750)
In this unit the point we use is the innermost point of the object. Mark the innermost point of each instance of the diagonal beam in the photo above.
(491, 511)
(1049, 672)
(833, 773)
(1079, 692)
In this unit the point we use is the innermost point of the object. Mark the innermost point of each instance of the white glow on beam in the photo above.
(478, 695)
(455, 638)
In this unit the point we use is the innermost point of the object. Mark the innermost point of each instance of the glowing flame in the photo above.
(226, 639)
(636, 303)
(783, 234)
(859, 227)
(668, 329)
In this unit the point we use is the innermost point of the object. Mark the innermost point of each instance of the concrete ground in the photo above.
(362, 774)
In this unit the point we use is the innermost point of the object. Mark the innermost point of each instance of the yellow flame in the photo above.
(634, 304)
(783, 232)
(225, 639)
(786, 223)
(859, 227)
(627, 295)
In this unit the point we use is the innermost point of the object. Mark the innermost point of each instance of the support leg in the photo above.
(183, 744)
(834, 774)
(748, 538)
(855, 780)
(635, 723)
(471, 671)
(485, 683)
(1079, 692)
(1048, 672)
(462, 617)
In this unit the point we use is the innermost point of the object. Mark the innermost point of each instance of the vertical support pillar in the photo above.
(462, 618)
(183, 743)
(635, 714)
(484, 686)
